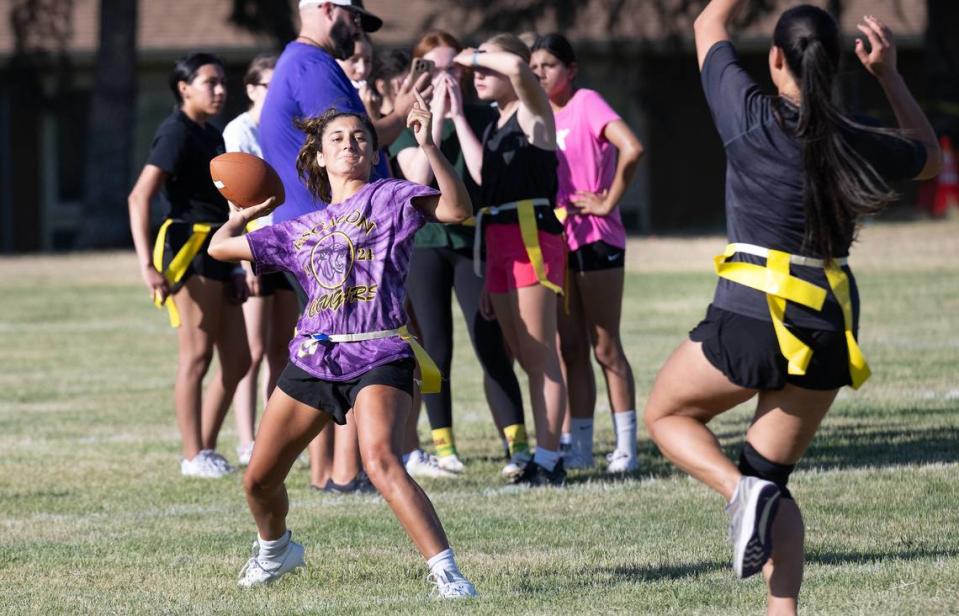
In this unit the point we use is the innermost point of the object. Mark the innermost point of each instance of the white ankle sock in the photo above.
(273, 550)
(565, 438)
(546, 458)
(582, 433)
(444, 561)
(625, 423)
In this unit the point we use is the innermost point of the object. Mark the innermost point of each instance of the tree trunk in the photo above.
(109, 143)
(942, 60)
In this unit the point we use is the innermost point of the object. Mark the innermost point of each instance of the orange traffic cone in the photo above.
(947, 184)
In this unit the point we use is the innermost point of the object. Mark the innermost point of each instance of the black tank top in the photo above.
(515, 169)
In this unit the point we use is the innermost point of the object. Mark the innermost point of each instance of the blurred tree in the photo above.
(267, 17)
(110, 129)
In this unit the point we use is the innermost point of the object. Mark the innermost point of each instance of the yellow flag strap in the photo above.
(526, 214)
(775, 280)
(179, 264)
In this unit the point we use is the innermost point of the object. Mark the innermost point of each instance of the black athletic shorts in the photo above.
(747, 352)
(597, 256)
(273, 282)
(337, 397)
(203, 264)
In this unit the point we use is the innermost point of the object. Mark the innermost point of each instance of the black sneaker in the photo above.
(535, 475)
(358, 485)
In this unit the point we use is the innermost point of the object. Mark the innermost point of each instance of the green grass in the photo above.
(94, 517)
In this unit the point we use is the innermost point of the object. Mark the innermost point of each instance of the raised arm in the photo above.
(535, 114)
(712, 26)
(880, 61)
(138, 203)
(453, 204)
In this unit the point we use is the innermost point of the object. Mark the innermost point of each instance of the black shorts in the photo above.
(597, 256)
(177, 234)
(337, 397)
(747, 352)
(273, 282)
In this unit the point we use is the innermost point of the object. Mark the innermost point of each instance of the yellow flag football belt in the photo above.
(179, 264)
(526, 213)
(429, 371)
(775, 280)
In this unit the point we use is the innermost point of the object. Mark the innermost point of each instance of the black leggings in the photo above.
(434, 274)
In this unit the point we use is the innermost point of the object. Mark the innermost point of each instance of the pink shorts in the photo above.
(507, 264)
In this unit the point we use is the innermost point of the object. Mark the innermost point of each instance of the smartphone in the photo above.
(419, 66)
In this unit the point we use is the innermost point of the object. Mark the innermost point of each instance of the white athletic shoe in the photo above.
(516, 464)
(450, 463)
(261, 572)
(574, 457)
(621, 462)
(422, 464)
(244, 453)
(218, 460)
(205, 466)
(751, 513)
(451, 585)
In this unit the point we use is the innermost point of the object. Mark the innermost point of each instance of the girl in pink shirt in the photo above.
(598, 154)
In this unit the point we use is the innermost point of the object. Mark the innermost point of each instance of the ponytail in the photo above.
(839, 185)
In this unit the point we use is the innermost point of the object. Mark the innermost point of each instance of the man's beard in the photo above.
(343, 41)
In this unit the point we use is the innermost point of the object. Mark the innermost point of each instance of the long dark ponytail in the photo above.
(839, 185)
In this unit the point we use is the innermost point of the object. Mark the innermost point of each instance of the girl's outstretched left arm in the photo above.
(228, 243)
(453, 204)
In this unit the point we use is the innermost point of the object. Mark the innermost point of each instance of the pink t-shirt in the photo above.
(587, 162)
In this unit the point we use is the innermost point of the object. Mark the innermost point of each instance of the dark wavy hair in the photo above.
(839, 185)
(315, 177)
(186, 69)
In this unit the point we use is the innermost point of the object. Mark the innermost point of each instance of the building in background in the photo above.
(643, 65)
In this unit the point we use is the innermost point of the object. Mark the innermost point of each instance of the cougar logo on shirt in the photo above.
(331, 260)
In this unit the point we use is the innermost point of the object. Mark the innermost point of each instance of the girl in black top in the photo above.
(524, 270)
(443, 262)
(800, 175)
(205, 307)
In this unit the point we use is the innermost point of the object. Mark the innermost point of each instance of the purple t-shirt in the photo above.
(351, 260)
(307, 81)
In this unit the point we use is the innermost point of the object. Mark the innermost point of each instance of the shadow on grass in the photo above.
(875, 443)
(638, 573)
(828, 557)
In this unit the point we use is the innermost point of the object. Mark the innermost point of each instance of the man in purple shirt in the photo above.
(308, 81)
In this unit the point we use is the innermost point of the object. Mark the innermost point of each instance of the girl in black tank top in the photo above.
(733, 357)
(525, 264)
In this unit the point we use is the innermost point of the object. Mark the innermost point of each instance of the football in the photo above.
(245, 179)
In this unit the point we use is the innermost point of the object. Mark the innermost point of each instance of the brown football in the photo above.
(245, 179)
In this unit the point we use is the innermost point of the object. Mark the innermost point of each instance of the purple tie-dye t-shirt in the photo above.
(351, 260)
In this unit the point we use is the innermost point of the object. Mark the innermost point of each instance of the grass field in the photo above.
(95, 518)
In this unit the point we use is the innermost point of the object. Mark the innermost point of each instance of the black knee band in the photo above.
(753, 464)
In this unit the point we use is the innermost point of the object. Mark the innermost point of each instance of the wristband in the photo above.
(475, 60)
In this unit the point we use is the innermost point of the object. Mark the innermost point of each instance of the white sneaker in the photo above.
(516, 464)
(261, 572)
(450, 463)
(217, 460)
(751, 513)
(576, 456)
(451, 585)
(244, 453)
(621, 462)
(205, 466)
(422, 464)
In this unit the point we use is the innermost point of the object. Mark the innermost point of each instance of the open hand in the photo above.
(406, 97)
(260, 209)
(590, 203)
(880, 59)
